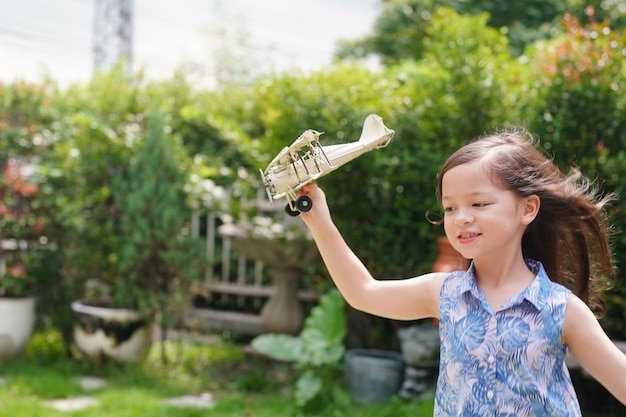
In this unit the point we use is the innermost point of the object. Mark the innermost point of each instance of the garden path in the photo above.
(89, 384)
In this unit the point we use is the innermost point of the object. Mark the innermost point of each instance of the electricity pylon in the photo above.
(112, 33)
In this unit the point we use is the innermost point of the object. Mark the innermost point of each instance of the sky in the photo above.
(55, 37)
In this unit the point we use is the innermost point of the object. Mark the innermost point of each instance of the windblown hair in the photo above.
(571, 232)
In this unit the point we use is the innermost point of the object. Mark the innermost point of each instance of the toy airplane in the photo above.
(306, 160)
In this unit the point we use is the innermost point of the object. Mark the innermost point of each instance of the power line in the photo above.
(21, 36)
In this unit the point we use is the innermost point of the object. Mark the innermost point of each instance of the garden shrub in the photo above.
(577, 107)
(455, 93)
(381, 200)
(568, 91)
(335, 101)
(479, 65)
(29, 118)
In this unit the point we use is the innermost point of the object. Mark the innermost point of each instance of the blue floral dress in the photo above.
(505, 363)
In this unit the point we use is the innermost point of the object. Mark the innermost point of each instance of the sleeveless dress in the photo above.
(505, 363)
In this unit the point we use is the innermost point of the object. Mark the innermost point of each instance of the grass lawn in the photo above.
(240, 384)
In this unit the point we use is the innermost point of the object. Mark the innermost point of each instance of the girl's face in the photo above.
(482, 218)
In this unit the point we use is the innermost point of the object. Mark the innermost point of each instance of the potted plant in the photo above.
(19, 226)
(156, 256)
(17, 304)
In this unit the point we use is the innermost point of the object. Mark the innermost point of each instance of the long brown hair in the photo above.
(571, 233)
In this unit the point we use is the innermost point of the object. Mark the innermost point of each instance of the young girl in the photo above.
(507, 322)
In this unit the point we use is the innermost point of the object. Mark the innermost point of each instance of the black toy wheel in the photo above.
(290, 211)
(304, 203)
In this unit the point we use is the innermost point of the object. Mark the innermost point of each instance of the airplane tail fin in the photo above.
(375, 134)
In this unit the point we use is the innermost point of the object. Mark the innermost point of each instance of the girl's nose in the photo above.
(463, 217)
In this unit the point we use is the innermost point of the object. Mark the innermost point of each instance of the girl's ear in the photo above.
(530, 207)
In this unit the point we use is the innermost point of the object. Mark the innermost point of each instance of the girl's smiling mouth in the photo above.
(467, 237)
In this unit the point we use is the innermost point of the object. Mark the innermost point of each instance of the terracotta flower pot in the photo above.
(448, 259)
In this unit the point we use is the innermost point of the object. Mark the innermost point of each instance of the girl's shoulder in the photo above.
(456, 282)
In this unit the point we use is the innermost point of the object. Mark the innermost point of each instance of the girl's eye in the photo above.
(448, 209)
(480, 204)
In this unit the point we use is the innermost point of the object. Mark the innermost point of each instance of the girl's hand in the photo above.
(319, 212)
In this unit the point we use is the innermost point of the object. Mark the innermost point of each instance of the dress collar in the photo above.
(535, 293)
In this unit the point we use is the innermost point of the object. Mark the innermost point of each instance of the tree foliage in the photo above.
(449, 77)
(400, 29)
(576, 105)
(155, 246)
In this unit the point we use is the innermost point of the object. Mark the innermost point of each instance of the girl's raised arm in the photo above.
(594, 350)
(403, 299)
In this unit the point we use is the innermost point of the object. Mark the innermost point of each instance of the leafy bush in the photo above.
(46, 347)
(25, 115)
(458, 91)
(157, 255)
(479, 66)
(576, 105)
(461, 82)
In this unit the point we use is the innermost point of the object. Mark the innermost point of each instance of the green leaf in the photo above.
(327, 320)
(319, 350)
(279, 346)
(307, 387)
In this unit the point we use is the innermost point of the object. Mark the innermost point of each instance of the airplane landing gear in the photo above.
(291, 212)
(302, 205)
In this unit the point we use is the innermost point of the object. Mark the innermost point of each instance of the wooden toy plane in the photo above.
(306, 160)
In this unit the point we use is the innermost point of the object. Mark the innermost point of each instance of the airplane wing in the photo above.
(287, 154)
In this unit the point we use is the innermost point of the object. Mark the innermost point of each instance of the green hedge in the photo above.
(569, 91)
(577, 106)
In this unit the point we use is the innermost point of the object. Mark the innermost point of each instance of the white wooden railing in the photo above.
(234, 289)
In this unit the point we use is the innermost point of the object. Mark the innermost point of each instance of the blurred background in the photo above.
(59, 38)
(126, 123)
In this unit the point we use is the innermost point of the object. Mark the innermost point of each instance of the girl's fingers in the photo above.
(307, 188)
